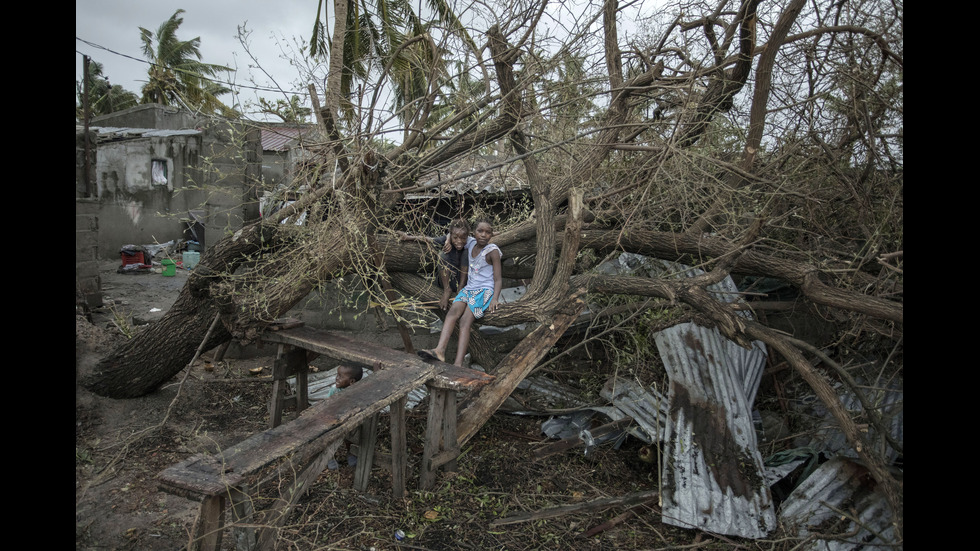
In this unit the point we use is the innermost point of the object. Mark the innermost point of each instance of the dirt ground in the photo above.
(121, 445)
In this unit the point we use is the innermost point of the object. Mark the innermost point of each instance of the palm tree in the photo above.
(384, 33)
(103, 97)
(177, 75)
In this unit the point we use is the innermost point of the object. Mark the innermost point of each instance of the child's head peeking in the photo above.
(459, 231)
(348, 375)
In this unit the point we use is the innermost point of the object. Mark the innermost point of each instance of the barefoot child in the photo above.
(452, 273)
(481, 293)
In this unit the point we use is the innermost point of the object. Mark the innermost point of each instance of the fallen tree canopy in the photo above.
(654, 147)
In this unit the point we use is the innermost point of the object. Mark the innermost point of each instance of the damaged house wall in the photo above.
(148, 180)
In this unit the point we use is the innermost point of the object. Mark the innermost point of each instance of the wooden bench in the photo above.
(300, 449)
(441, 450)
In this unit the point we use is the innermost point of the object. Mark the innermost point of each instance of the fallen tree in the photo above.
(798, 182)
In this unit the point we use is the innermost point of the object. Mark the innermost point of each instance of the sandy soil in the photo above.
(120, 445)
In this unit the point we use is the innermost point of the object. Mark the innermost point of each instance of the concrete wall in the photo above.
(344, 307)
(152, 115)
(87, 283)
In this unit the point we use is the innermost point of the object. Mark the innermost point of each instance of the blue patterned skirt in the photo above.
(476, 299)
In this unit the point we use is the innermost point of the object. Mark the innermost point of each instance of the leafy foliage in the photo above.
(104, 97)
(177, 76)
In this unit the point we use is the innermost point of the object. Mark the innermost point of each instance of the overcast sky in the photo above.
(114, 25)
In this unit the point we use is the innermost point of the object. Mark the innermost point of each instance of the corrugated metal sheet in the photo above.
(474, 174)
(748, 363)
(645, 406)
(281, 138)
(839, 498)
(108, 133)
(889, 401)
(713, 474)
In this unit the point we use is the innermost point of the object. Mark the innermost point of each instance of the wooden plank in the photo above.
(311, 431)
(345, 348)
(341, 347)
(197, 477)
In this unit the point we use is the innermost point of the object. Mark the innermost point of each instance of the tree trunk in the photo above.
(160, 351)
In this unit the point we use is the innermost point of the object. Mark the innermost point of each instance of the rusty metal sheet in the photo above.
(713, 477)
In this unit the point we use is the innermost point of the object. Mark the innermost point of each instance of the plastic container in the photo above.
(191, 259)
(169, 267)
(136, 258)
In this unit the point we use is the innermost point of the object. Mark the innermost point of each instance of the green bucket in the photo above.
(169, 267)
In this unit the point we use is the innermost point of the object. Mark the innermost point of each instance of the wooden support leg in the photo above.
(275, 516)
(365, 453)
(210, 523)
(278, 389)
(219, 353)
(433, 437)
(449, 429)
(289, 361)
(399, 448)
(242, 510)
(302, 389)
(440, 436)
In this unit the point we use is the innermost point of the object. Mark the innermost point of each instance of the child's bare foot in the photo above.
(432, 354)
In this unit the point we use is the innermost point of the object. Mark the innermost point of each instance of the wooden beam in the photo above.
(515, 367)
